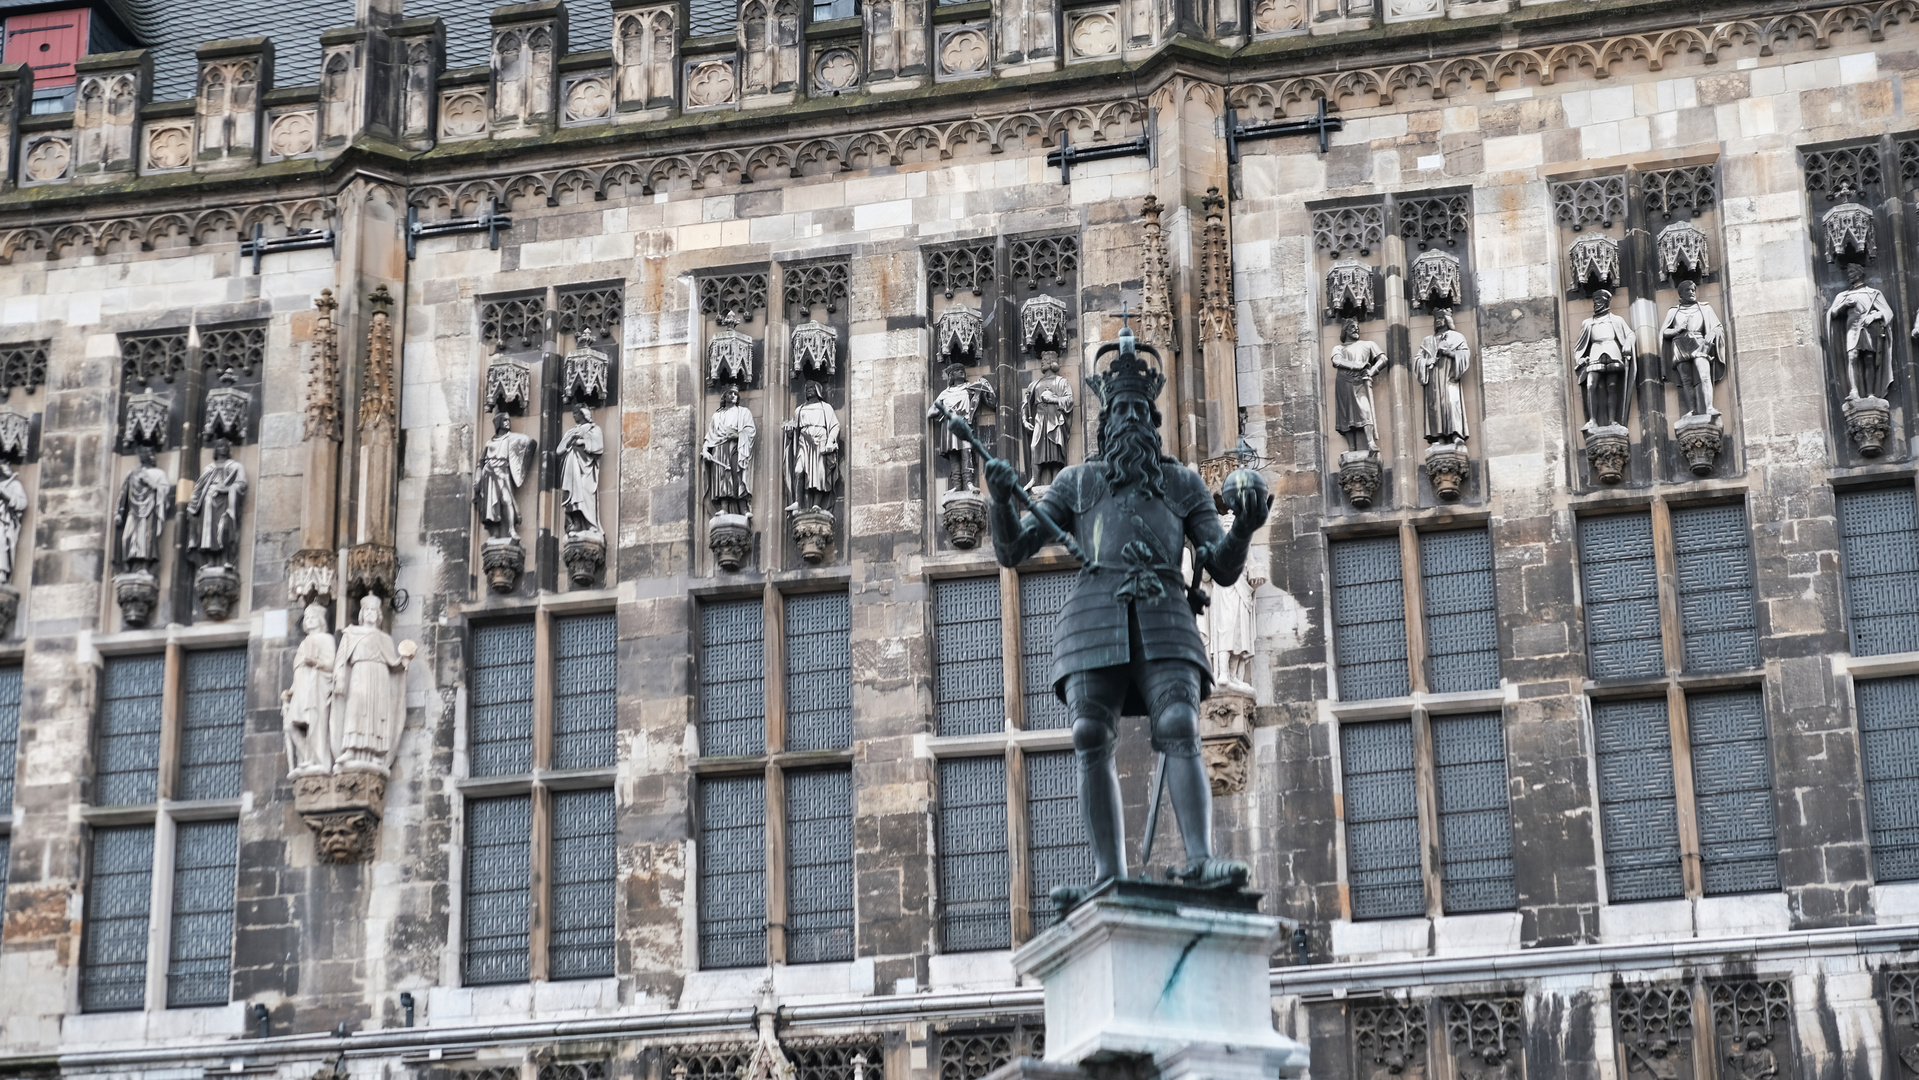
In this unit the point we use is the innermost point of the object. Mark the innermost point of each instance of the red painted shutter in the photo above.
(49, 43)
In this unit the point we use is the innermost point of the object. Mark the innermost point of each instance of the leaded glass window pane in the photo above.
(1041, 598)
(732, 871)
(1382, 819)
(1879, 546)
(1732, 792)
(9, 733)
(819, 672)
(711, 16)
(819, 866)
(1620, 582)
(1718, 620)
(499, 869)
(1889, 741)
(1638, 812)
(499, 739)
(585, 691)
(6, 853)
(975, 881)
(732, 678)
(1475, 821)
(200, 954)
(128, 771)
(1462, 631)
(213, 724)
(113, 962)
(585, 868)
(1056, 849)
(1369, 619)
(969, 683)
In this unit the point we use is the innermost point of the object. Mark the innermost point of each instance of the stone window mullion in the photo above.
(1673, 649)
(1427, 796)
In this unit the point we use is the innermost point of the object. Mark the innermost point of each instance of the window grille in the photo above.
(1056, 848)
(113, 964)
(585, 865)
(833, 1059)
(9, 736)
(1620, 581)
(213, 724)
(976, 1054)
(975, 887)
(499, 866)
(1732, 792)
(732, 678)
(1889, 742)
(969, 688)
(199, 962)
(6, 852)
(819, 672)
(1879, 546)
(1475, 821)
(1462, 629)
(585, 688)
(711, 16)
(1382, 819)
(1390, 1035)
(819, 866)
(1638, 811)
(732, 878)
(500, 711)
(1041, 598)
(1369, 619)
(128, 772)
(1719, 623)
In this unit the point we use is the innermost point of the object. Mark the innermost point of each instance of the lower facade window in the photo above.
(1889, 749)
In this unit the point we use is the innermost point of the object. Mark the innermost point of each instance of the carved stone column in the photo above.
(372, 563)
(1218, 328)
(310, 571)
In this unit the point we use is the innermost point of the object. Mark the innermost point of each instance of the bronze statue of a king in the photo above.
(1127, 641)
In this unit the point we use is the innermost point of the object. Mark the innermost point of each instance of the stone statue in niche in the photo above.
(1229, 628)
(963, 399)
(146, 502)
(1355, 364)
(1441, 365)
(306, 707)
(1605, 361)
(812, 439)
(728, 456)
(214, 542)
(13, 515)
(369, 692)
(581, 450)
(496, 494)
(1046, 411)
(1698, 362)
(1859, 322)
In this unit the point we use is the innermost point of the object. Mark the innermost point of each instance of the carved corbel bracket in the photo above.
(343, 808)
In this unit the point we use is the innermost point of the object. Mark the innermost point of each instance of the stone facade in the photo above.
(349, 281)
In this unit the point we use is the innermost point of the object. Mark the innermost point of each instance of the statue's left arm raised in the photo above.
(1222, 552)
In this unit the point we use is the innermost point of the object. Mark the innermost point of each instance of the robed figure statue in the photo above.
(146, 501)
(306, 707)
(1443, 360)
(13, 513)
(1862, 328)
(1127, 641)
(369, 691)
(580, 451)
(215, 508)
(503, 468)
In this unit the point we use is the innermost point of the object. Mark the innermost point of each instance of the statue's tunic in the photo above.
(143, 509)
(580, 472)
(367, 716)
(1443, 361)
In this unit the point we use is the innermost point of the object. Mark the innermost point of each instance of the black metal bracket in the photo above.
(1319, 124)
(1069, 155)
(260, 244)
(489, 221)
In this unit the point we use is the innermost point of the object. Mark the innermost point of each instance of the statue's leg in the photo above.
(1172, 695)
(1587, 390)
(1093, 698)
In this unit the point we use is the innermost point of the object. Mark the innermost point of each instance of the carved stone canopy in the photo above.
(1437, 279)
(1850, 231)
(147, 414)
(16, 434)
(816, 347)
(1595, 262)
(1042, 324)
(1349, 291)
(509, 385)
(1682, 251)
(729, 356)
(228, 412)
(586, 375)
(959, 336)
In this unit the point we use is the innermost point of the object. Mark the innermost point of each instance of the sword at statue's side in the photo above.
(963, 430)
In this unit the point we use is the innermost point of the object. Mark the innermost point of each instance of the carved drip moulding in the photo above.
(959, 336)
(343, 810)
(310, 576)
(1359, 474)
(1446, 469)
(813, 532)
(1849, 232)
(504, 560)
(1682, 251)
(1438, 280)
(586, 375)
(731, 538)
(1700, 439)
(218, 590)
(137, 592)
(816, 348)
(1869, 422)
(729, 356)
(585, 557)
(1042, 324)
(963, 516)
(1595, 262)
(509, 385)
(1608, 449)
(1349, 291)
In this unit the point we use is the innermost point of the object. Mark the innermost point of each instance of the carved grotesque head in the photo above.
(370, 606)
(135, 607)
(344, 837)
(1349, 330)
(1687, 288)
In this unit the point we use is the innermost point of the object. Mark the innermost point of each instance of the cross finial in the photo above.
(1125, 318)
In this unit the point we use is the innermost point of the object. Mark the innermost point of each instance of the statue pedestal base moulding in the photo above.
(218, 590)
(1608, 449)
(342, 808)
(1869, 422)
(731, 538)
(813, 532)
(1700, 438)
(503, 561)
(1169, 973)
(585, 556)
(1359, 477)
(1446, 469)
(137, 592)
(963, 516)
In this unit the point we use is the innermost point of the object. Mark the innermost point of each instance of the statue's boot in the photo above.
(1215, 873)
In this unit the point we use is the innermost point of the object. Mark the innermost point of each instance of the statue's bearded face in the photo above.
(1129, 441)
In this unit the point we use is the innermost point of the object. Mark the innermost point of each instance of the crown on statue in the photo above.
(1129, 375)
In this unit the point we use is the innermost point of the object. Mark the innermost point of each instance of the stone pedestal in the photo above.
(342, 808)
(1869, 421)
(218, 590)
(1608, 451)
(963, 516)
(731, 538)
(137, 592)
(1225, 736)
(1141, 970)
(585, 557)
(1446, 468)
(1359, 477)
(1700, 438)
(503, 561)
(813, 532)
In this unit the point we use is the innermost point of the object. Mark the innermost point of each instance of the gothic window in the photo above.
(819, 865)
(974, 878)
(1879, 552)
(1620, 581)
(1057, 850)
(1042, 595)
(1462, 629)
(213, 725)
(1475, 822)
(498, 900)
(1369, 619)
(1382, 819)
(127, 750)
(975, 1053)
(113, 960)
(9, 739)
(969, 678)
(1719, 623)
(732, 678)
(585, 682)
(585, 871)
(1732, 792)
(1452, 602)
(1638, 811)
(500, 694)
(1889, 747)
(206, 857)
(819, 692)
(732, 878)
